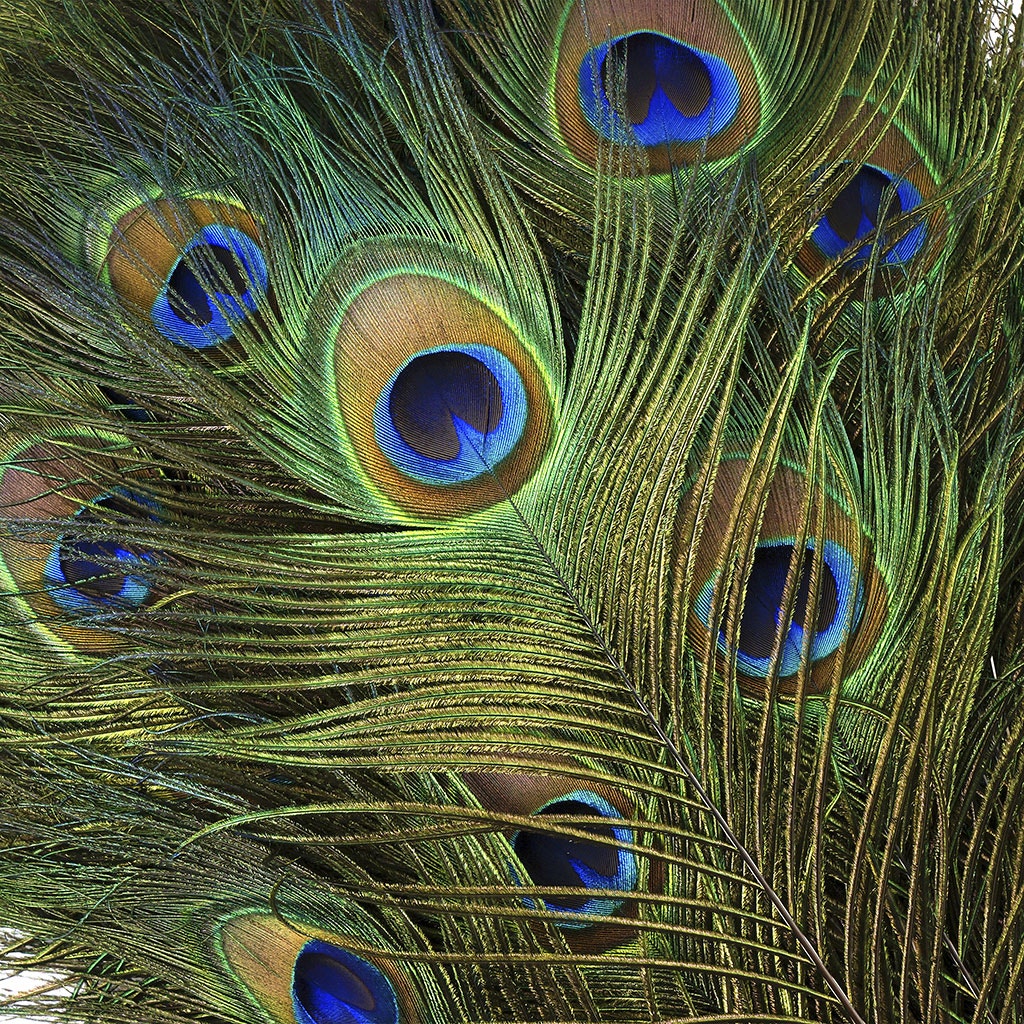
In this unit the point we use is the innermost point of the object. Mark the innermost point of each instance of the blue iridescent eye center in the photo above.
(218, 279)
(332, 985)
(871, 198)
(87, 574)
(834, 616)
(561, 861)
(187, 294)
(672, 92)
(450, 414)
(86, 567)
(437, 390)
(763, 607)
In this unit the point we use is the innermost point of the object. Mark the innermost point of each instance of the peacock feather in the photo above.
(512, 511)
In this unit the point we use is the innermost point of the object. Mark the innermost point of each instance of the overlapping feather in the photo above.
(348, 755)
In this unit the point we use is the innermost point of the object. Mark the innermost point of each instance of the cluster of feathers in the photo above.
(512, 511)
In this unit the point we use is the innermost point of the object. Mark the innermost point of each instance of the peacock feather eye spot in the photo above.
(86, 575)
(835, 615)
(444, 396)
(196, 267)
(331, 985)
(872, 197)
(562, 861)
(218, 279)
(673, 92)
(450, 415)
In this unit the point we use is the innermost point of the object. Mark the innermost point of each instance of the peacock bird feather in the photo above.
(512, 511)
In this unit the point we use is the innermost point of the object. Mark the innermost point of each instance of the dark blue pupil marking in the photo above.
(91, 566)
(86, 574)
(834, 617)
(872, 197)
(450, 415)
(653, 63)
(433, 390)
(548, 857)
(209, 266)
(763, 607)
(87, 566)
(219, 278)
(331, 985)
(860, 201)
(671, 92)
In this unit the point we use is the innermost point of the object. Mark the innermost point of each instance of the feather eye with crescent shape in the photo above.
(800, 596)
(676, 79)
(196, 267)
(442, 393)
(67, 556)
(298, 974)
(885, 184)
(86, 573)
(593, 856)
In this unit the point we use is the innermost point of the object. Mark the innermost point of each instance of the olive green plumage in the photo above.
(512, 511)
